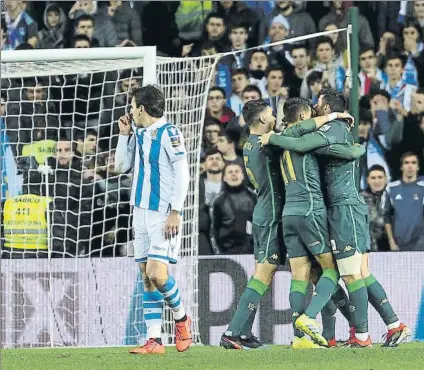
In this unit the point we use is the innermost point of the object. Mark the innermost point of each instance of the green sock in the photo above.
(249, 300)
(247, 328)
(378, 298)
(359, 305)
(329, 320)
(324, 288)
(341, 300)
(297, 298)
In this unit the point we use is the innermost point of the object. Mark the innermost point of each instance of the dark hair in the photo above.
(298, 46)
(365, 49)
(412, 22)
(211, 151)
(128, 73)
(151, 98)
(24, 46)
(82, 134)
(374, 92)
(77, 38)
(409, 154)
(391, 56)
(325, 40)
(261, 51)
(218, 88)
(365, 115)
(84, 17)
(210, 121)
(232, 135)
(252, 88)
(337, 101)
(293, 107)
(238, 24)
(375, 167)
(240, 71)
(214, 15)
(252, 110)
(273, 69)
(314, 77)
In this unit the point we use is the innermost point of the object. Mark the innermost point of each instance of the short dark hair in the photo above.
(366, 49)
(128, 73)
(77, 38)
(151, 98)
(314, 77)
(238, 24)
(273, 69)
(376, 167)
(218, 88)
(293, 107)
(214, 15)
(252, 88)
(82, 134)
(84, 17)
(298, 46)
(211, 151)
(394, 55)
(365, 115)
(252, 110)
(240, 71)
(211, 121)
(337, 101)
(409, 154)
(325, 40)
(232, 135)
(374, 92)
(261, 51)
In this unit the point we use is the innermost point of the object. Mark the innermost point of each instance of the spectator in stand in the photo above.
(21, 28)
(232, 211)
(386, 45)
(238, 34)
(340, 54)
(127, 23)
(190, 17)
(294, 76)
(419, 13)
(211, 130)
(234, 11)
(257, 66)
(338, 16)
(214, 31)
(80, 42)
(314, 81)
(412, 46)
(333, 74)
(275, 89)
(86, 143)
(404, 208)
(216, 106)
(52, 37)
(373, 194)
(240, 79)
(84, 25)
(300, 23)
(210, 185)
(104, 30)
(370, 75)
(227, 146)
(397, 89)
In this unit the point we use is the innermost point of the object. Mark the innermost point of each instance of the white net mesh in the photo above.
(54, 291)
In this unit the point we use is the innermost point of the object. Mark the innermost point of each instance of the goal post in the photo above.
(61, 109)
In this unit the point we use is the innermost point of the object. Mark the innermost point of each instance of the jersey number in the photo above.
(287, 160)
(250, 173)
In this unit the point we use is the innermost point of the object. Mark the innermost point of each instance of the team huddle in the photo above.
(309, 209)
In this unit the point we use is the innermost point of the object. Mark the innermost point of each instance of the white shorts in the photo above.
(149, 237)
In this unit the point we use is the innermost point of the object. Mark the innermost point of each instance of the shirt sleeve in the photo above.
(343, 151)
(386, 204)
(300, 129)
(303, 144)
(32, 30)
(173, 142)
(125, 153)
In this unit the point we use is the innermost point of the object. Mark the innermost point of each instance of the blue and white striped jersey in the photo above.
(154, 151)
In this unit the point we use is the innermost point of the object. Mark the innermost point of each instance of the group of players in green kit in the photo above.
(309, 208)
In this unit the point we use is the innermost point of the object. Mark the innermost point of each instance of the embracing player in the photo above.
(160, 184)
(305, 215)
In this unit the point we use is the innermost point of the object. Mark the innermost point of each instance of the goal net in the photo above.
(67, 273)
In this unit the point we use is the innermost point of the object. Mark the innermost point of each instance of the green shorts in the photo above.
(349, 230)
(268, 244)
(306, 235)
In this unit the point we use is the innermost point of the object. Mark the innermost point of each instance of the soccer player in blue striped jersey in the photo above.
(161, 178)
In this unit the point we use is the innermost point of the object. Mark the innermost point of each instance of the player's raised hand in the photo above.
(264, 139)
(347, 117)
(124, 123)
(172, 225)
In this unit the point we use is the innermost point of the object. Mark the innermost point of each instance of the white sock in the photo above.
(362, 336)
(395, 325)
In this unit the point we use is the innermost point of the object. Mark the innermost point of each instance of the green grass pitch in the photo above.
(409, 356)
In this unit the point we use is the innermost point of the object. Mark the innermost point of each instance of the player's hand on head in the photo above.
(124, 123)
(172, 225)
